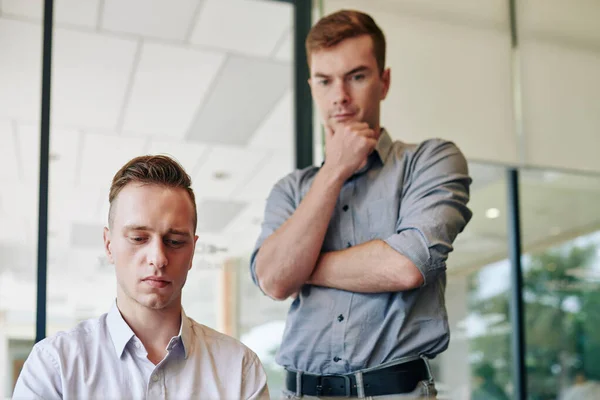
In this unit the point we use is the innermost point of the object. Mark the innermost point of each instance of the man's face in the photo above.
(151, 243)
(346, 84)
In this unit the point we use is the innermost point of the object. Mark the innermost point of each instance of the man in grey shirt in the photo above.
(362, 241)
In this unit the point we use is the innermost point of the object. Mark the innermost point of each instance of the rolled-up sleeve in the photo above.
(433, 210)
(280, 205)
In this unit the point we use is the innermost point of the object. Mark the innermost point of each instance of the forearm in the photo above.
(287, 258)
(371, 267)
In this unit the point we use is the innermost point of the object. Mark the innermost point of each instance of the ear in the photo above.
(107, 245)
(386, 78)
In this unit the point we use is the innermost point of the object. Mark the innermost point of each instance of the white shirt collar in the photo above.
(121, 333)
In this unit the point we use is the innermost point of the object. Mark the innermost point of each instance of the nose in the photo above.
(157, 256)
(340, 94)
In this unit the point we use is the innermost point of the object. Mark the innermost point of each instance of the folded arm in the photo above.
(433, 211)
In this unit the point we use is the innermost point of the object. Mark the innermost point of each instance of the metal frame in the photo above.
(42, 253)
(516, 291)
(303, 109)
(514, 221)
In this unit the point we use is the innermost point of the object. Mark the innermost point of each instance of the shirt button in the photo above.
(336, 359)
(340, 317)
(154, 378)
(345, 208)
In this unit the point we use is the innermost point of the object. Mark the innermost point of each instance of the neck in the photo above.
(154, 328)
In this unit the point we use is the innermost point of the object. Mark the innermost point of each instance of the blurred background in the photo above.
(212, 83)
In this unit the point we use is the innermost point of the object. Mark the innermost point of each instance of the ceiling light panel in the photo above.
(245, 92)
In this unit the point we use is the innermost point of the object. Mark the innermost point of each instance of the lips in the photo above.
(156, 283)
(344, 115)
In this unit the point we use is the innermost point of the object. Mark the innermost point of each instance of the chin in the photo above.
(155, 302)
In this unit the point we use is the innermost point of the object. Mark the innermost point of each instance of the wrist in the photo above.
(334, 173)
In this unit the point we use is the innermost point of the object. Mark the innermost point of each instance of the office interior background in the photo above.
(516, 84)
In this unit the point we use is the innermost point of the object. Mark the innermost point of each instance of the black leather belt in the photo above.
(395, 379)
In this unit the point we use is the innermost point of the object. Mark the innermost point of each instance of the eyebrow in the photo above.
(360, 68)
(128, 228)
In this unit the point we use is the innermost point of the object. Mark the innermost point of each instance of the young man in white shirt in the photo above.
(145, 346)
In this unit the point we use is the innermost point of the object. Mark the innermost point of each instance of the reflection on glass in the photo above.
(489, 342)
(562, 309)
(561, 267)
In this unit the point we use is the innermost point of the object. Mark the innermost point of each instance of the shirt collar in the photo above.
(121, 333)
(382, 148)
(185, 334)
(384, 145)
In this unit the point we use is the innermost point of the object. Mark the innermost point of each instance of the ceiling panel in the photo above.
(169, 86)
(244, 93)
(90, 74)
(103, 155)
(235, 165)
(215, 215)
(20, 69)
(276, 131)
(166, 19)
(10, 169)
(189, 155)
(243, 26)
(72, 12)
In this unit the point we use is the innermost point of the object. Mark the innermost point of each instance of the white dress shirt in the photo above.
(103, 359)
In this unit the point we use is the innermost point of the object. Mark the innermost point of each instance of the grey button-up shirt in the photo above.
(414, 197)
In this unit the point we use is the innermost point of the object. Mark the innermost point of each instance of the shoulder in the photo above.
(437, 156)
(222, 345)
(71, 343)
(424, 149)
